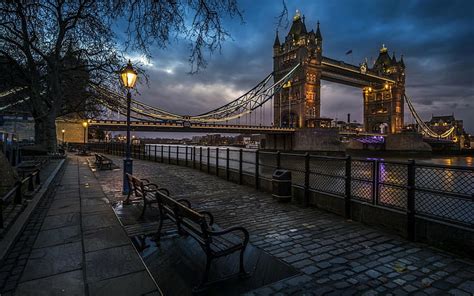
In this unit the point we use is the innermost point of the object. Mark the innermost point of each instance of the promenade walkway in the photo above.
(77, 245)
(333, 256)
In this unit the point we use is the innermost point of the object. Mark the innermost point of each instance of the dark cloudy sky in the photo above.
(435, 37)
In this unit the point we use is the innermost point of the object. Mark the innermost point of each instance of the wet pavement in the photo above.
(75, 245)
(333, 256)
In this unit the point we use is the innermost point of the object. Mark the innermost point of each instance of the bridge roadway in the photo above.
(155, 126)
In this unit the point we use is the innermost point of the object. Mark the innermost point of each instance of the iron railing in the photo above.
(15, 195)
(442, 193)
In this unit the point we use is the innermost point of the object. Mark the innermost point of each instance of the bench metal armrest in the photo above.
(164, 190)
(184, 202)
(232, 229)
(145, 180)
(150, 187)
(208, 214)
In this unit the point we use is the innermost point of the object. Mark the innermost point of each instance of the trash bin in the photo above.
(281, 184)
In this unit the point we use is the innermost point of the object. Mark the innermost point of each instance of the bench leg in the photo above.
(144, 208)
(160, 226)
(205, 276)
(242, 272)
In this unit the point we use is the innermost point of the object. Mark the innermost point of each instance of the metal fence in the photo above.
(442, 193)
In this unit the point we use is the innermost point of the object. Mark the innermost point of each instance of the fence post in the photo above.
(200, 158)
(193, 151)
(169, 154)
(411, 200)
(227, 165)
(31, 185)
(18, 193)
(240, 166)
(186, 157)
(208, 160)
(162, 154)
(217, 161)
(257, 181)
(1, 213)
(375, 182)
(38, 178)
(347, 198)
(155, 151)
(306, 179)
(149, 151)
(177, 155)
(278, 160)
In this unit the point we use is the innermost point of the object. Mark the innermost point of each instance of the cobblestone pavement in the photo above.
(335, 257)
(74, 245)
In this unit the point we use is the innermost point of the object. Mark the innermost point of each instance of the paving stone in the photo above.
(53, 260)
(310, 269)
(373, 274)
(298, 280)
(69, 283)
(112, 262)
(62, 220)
(457, 292)
(137, 283)
(106, 237)
(57, 236)
(467, 286)
(98, 220)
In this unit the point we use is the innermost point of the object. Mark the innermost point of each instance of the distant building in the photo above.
(23, 126)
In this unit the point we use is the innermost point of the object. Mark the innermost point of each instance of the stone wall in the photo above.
(317, 139)
(406, 142)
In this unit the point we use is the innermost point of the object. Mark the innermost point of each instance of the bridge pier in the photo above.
(306, 139)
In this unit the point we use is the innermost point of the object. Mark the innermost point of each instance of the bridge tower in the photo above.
(384, 103)
(298, 104)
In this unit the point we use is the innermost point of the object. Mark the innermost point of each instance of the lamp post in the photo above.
(128, 77)
(84, 124)
(63, 131)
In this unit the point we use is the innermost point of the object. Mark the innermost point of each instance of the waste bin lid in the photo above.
(280, 173)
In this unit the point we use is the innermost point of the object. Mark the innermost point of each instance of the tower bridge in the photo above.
(291, 93)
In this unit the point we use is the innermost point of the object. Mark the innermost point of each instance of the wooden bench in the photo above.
(143, 189)
(215, 243)
(103, 161)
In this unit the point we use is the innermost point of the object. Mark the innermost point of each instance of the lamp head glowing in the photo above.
(128, 75)
(84, 124)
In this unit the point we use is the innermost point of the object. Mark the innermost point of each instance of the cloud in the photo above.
(436, 38)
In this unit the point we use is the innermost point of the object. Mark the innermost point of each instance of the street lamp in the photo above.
(84, 124)
(128, 77)
(63, 131)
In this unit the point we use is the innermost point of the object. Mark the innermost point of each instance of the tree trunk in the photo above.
(45, 131)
